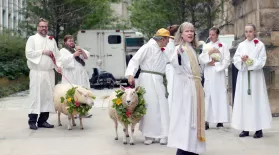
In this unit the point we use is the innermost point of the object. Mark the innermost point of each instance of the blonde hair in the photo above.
(42, 20)
(178, 36)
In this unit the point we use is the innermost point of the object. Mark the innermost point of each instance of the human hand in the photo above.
(244, 58)
(212, 63)
(131, 80)
(47, 52)
(77, 53)
(59, 70)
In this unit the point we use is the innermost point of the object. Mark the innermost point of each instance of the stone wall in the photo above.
(265, 15)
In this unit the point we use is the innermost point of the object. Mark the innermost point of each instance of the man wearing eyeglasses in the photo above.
(40, 49)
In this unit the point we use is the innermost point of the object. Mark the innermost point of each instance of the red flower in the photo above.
(162, 49)
(220, 45)
(50, 37)
(77, 103)
(128, 114)
(256, 41)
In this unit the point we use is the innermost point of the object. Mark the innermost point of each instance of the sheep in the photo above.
(130, 101)
(82, 95)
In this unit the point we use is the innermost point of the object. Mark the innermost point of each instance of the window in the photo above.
(114, 39)
(134, 42)
(4, 18)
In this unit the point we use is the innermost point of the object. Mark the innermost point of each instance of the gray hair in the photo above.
(178, 36)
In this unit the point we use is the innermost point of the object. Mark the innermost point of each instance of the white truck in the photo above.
(107, 48)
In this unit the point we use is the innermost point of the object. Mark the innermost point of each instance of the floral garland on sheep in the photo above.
(125, 116)
(73, 105)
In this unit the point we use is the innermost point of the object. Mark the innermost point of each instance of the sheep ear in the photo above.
(122, 88)
(138, 88)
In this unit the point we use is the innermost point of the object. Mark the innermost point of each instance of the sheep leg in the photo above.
(69, 122)
(132, 134)
(59, 120)
(73, 121)
(125, 130)
(80, 121)
(116, 127)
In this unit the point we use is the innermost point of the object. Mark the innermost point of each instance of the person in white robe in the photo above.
(216, 102)
(251, 110)
(73, 65)
(39, 50)
(186, 131)
(152, 61)
(169, 69)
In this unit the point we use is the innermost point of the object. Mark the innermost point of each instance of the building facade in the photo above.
(10, 15)
(265, 15)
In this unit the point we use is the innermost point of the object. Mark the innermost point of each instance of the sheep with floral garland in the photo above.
(127, 106)
(72, 100)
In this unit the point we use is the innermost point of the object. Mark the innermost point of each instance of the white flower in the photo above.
(249, 62)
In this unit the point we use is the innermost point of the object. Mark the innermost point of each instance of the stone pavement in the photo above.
(98, 135)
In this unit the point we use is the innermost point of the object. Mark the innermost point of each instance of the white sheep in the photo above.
(130, 101)
(82, 95)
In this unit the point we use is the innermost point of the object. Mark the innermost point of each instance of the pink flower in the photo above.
(77, 103)
(256, 42)
(220, 45)
(162, 49)
(50, 37)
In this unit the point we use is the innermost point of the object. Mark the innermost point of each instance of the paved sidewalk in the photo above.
(98, 136)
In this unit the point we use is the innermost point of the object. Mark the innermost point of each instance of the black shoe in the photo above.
(244, 134)
(219, 125)
(33, 126)
(45, 125)
(258, 134)
(206, 126)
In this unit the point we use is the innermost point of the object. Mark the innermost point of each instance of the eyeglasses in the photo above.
(43, 26)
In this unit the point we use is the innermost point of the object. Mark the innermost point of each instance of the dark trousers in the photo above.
(33, 118)
(182, 152)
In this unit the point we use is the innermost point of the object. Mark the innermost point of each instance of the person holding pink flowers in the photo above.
(251, 111)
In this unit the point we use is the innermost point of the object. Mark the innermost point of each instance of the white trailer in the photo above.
(107, 47)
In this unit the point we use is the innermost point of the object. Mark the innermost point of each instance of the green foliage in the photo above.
(16, 86)
(121, 110)
(12, 61)
(150, 15)
(71, 14)
(73, 105)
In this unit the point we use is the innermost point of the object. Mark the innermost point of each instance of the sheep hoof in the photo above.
(116, 138)
(81, 128)
(127, 136)
(74, 125)
(125, 143)
(69, 128)
(60, 124)
(132, 143)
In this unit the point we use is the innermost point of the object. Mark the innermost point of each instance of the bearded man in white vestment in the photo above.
(152, 61)
(39, 50)
(187, 125)
(216, 102)
(251, 110)
(73, 65)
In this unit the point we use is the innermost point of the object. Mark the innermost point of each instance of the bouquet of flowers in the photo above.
(249, 62)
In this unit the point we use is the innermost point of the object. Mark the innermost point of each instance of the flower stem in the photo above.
(249, 87)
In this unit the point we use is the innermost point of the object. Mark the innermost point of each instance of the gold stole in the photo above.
(200, 93)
